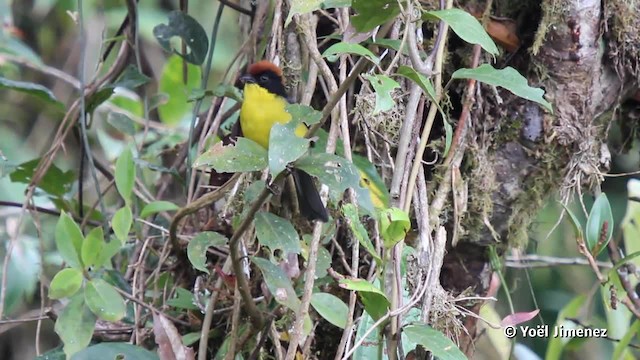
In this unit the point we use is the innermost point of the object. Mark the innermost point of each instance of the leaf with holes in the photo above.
(197, 248)
(285, 147)
(276, 233)
(383, 86)
(244, 156)
(189, 30)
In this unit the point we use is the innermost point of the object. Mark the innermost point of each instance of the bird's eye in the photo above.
(264, 79)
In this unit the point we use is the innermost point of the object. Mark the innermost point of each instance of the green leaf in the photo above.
(303, 113)
(372, 13)
(331, 308)
(383, 86)
(245, 155)
(131, 78)
(577, 226)
(339, 174)
(97, 98)
(600, 217)
(349, 48)
(330, 4)
(121, 122)
(434, 341)
(69, 240)
(276, 233)
(125, 175)
(190, 338)
(155, 207)
(172, 84)
(465, 26)
(121, 223)
(75, 325)
(622, 345)
(92, 248)
(374, 300)
(183, 299)
(508, 78)
(302, 7)
(285, 147)
(109, 250)
(394, 225)
(54, 182)
(357, 228)
(189, 30)
(281, 289)
(13, 45)
(66, 283)
(278, 283)
(36, 90)
(104, 300)
(197, 248)
(115, 350)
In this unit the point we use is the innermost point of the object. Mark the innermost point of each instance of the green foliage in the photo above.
(55, 182)
(383, 86)
(75, 325)
(331, 308)
(197, 248)
(434, 341)
(177, 106)
(375, 301)
(69, 240)
(285, 147)
(373, 13)
(189, 30)
(66, 283)
(104, 300)
(349, 48)
(465, 26)
(394, 225)
(121, 223)
(508, 78)
(599, 225)
(276, 233)
(155, 207)
(36, 90)
(245, 155)
(125, 175)
(350, 213)
(115, 350)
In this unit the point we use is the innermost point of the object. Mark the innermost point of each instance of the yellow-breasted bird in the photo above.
(264, 104)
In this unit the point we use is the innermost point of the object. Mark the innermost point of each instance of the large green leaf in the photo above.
(285, 147)
(374, 300)
(131, 78)
(197, 248)
(508, 78)
(394, 225)
(69, 240)
(54, 182)
(75, 325)
(125, 174)
(302, 7)
(121, 223)
(372, 13)
(276, 233)
(600, 221)
(331, 308)
(66, 283)
(278, 283)
(434, 341)
(92, 248)
(36, 90)
(245, 155)
(104, 300)
(189, 30)
(465, 26)
(339, 174)
(349, 48)
(383, 86)
(155, 207)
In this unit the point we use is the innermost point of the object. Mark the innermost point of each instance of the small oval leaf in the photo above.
(104, 300)
(66, 283)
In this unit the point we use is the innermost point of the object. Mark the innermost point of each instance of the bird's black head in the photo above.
(267, 75)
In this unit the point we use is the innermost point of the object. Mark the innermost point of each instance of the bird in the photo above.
(264, 105)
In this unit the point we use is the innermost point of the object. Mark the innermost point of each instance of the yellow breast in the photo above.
(260, 111)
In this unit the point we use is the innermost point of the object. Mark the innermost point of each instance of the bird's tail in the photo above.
(309, 200)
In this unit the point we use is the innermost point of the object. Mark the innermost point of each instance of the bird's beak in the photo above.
(247, 79)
